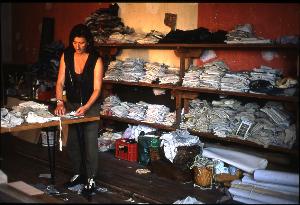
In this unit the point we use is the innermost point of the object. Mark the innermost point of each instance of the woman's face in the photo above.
(79, 44)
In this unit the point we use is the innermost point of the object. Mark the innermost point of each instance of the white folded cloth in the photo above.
(267, 196)
(276, 187)
(245, 162)
(277, 177)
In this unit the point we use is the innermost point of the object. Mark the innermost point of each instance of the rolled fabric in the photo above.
(277, 177)
(246, 200)
(276, 187)
(251, 193)
(245, 162)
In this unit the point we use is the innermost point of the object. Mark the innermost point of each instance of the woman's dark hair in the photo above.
(81, 30)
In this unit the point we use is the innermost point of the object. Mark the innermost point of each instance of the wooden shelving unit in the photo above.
(184, 94)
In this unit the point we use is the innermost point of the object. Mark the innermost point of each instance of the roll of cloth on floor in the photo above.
(276, 187)
(259, 194)
(245, 162)
(246, 200)
(277, 177)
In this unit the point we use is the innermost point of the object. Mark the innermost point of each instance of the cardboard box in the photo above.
(32, 136)
(25, 188)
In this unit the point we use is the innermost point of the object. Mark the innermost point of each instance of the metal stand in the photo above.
(51, 153)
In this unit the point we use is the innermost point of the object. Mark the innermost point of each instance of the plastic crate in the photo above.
(126, 151)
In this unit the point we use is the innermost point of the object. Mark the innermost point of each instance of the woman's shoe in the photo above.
(89, 188)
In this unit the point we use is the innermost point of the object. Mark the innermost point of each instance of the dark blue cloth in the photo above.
(199, 35)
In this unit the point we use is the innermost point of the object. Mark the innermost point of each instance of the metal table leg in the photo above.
(51, 154)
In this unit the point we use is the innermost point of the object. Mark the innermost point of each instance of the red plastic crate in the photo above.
(126, 151)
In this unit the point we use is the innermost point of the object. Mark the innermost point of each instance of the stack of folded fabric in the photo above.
(267, 187)
(105, 21)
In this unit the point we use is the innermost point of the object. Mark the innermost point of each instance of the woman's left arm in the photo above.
(98, 75)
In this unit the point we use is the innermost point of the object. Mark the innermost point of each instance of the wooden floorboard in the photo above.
(25, 161)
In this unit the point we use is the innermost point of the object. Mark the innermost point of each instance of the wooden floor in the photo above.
(26, 161)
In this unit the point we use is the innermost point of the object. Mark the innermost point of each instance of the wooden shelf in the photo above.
(163, 86)
(64, 121)
(293, 99)
(204, 45)
(211, 136)
(187, 51)
(136, 122)
(204, 135)
(241, 94)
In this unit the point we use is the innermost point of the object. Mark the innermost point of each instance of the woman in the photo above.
(81, 72)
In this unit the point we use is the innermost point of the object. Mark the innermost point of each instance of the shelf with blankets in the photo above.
(263, 82)
(213, 77)
(258, 123)
(154, 115)
(261, 124)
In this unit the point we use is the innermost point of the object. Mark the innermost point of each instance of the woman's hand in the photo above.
(60, 109)
(81, 111)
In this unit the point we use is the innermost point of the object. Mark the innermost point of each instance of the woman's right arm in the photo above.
(60, 107)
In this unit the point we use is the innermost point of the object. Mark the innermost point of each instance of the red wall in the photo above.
(269, 20)
(27, 20)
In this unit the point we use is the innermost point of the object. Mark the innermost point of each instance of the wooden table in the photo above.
(49, 125)
(64, 121)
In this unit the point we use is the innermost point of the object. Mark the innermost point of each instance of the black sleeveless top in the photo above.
(79, 87)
